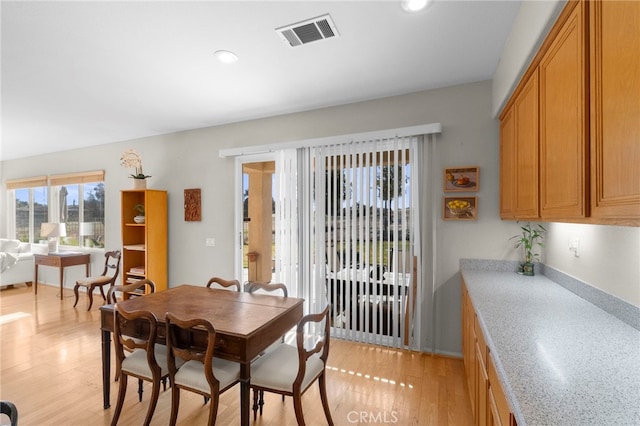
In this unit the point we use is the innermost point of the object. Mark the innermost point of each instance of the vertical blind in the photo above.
(364, 236)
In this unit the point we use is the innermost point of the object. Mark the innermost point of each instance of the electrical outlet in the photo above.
(574, 246)
(210, 242)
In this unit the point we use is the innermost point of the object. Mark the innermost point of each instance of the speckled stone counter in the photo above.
(561, 359)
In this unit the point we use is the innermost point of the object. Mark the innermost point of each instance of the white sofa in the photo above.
(16, 262)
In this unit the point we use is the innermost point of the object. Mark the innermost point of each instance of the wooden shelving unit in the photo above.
(144, 245)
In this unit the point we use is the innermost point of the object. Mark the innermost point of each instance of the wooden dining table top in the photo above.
(249, 317)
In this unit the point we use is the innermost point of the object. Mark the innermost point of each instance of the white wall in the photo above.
(534, 20)
(190, 160)
(609, 257)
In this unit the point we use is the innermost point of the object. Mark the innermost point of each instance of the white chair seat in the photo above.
(191, 374)
(136, 362)
(277, 369)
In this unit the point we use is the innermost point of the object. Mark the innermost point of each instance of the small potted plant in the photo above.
(139, 218)
(130, 158)
(528, 239)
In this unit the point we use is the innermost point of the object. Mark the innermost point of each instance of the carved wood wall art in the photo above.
(192, 209)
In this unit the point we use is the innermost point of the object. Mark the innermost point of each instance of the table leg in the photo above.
(106, 367)
(35, 280)
(61, 280)
(245, 382)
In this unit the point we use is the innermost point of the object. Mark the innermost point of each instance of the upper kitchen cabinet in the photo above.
(615, 110)
(587, 134)
(563, 121)
(519, 151)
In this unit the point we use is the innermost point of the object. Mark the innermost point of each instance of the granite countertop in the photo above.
(561, 359)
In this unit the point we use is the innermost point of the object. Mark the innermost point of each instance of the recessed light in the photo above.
(414, 5)
(226, 57)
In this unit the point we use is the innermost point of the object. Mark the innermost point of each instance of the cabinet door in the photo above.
(526, 150)
(563, 123)
(482, 399)
(507, 164)
(615, 109)
(493, 415)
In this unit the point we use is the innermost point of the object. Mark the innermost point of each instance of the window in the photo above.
(82, 210)
(31, 210)
(74, 199)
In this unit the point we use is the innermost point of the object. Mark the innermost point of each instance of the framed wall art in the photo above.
(461, 179)
(460, 208)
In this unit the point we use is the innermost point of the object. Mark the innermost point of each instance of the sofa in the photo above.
(16, 262)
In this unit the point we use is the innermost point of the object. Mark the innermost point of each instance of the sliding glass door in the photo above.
(346, 232)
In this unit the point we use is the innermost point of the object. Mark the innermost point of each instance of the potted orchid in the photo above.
(132, 159)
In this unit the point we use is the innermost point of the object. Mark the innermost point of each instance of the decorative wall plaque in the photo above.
(192, 209)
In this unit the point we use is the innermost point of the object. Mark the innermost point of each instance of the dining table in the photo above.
(246, 324)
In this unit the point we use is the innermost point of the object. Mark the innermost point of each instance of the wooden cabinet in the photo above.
(615, 109)
(144, 245)
(519, 154)
(489, 404)
(563, 122)
(507, 164)
(469, 349)
(584, 84)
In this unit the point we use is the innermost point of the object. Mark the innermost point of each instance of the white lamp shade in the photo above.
(49, 230)
(87, 228)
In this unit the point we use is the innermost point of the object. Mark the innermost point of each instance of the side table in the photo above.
(60, 260)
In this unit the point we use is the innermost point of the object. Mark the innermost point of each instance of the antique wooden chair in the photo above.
(200, 372)
(137, 357)
(291, 370)
(130, 289)
(111, 263)
(224, 283)
(252, 287)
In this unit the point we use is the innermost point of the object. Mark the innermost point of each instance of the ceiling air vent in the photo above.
(304, 32)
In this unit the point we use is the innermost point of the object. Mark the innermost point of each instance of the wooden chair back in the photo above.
(253, 286)
(136, 330)
(180, 344)
(224, 283)
(321, 346)
(130, 288)
(112, 263)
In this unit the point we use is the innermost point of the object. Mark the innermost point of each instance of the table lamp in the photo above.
(87, 229)
(53, 231)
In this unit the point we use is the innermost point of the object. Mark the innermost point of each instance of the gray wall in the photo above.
(190, 160)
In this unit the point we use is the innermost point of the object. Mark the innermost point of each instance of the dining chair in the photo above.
(252, 287)
(138, 357)
(224, 283)
(129, 289)
(9, 409)
(291, 370)
(201, 373)
(111, 263)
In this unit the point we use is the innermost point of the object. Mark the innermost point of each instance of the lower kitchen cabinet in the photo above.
(488, 401)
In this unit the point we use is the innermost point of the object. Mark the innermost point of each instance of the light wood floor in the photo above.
(50, 368)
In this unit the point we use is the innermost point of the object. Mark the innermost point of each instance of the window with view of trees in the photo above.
(32, 209)
(75, 199)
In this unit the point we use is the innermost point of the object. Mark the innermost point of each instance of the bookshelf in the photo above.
(144, 245)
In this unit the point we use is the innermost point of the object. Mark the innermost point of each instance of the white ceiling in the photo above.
(84, 73)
